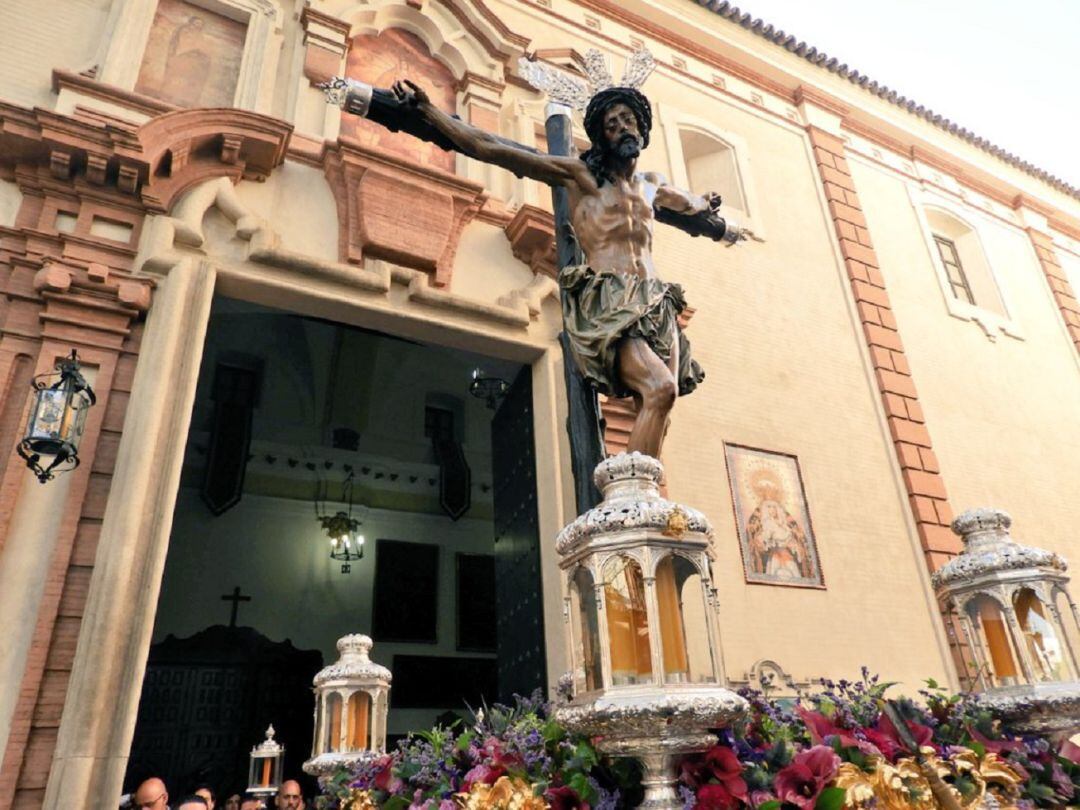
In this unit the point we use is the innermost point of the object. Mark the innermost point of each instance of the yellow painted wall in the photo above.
(39, 37)
(1002, 413)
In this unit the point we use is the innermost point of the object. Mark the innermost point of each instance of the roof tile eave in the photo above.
(729, 11)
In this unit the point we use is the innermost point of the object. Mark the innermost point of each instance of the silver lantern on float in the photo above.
(641, 616)
(1020, 624)
(352, 699)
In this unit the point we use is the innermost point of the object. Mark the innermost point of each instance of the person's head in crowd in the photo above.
(289, 796)
(151, 795)
(233, 802)
(251, 803)
(192, 802)
(208, 794)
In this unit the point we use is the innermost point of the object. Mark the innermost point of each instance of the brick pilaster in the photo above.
(912, 444)
(1060, 288)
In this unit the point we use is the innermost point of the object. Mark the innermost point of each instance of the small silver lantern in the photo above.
(264, 773)
(57, 420)
(1019, 622)
(642, 626)
(352, 698)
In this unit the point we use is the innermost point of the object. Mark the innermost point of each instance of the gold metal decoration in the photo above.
(505, 794)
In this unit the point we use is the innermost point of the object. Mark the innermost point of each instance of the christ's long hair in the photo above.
(596, 156)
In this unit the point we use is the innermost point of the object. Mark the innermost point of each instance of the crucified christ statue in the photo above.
(621, 320)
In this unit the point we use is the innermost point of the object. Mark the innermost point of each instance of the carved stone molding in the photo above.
(394, 210)
(532, 238)
(182, 148)
(326, 40)
(154, 162)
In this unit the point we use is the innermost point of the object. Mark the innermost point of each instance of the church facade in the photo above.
(899, 343)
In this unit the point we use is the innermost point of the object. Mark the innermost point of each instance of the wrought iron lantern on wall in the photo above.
(641, 618)
(352, 697)
(1019, 622)
(57, 420)
(264, 773)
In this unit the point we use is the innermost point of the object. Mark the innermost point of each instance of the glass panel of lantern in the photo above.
(683, 616)
(332, 731)
(1043, 645)
(585, 633)
(359, 720)
(995, 639)
(1072, 626)
(627, 621)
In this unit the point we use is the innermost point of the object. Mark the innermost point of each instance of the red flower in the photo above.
(923, 735)
(716, 797)
(801, 782)
(384, 773)
(564, 798)
(693, 770)
(821, 727)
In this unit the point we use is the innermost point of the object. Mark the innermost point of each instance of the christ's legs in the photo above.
(654, 389)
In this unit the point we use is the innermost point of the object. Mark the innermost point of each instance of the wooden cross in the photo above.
(236, 599)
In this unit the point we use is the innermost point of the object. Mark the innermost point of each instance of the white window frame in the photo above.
(992, 323)
(672, 120)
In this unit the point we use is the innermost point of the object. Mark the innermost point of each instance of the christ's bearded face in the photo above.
(622, 137)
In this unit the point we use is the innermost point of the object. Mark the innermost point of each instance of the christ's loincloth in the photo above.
(601, 309)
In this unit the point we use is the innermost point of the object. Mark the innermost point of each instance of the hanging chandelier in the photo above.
(343, 529)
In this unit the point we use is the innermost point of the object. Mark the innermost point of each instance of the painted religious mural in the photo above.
(380, 61)
(192, 56)
(772, 517)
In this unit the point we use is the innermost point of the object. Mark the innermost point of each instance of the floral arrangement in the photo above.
(844, 746)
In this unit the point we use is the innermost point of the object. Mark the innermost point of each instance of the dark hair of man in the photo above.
(595, 157)
(208, 789)
(192, 799)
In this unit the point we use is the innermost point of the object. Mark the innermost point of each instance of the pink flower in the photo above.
(1070, 751)
(801, 782)
(760, 797)
(483, 774)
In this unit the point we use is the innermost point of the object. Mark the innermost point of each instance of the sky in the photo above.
(1008, 70)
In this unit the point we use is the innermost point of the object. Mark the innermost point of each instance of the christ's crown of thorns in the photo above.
(574, 91)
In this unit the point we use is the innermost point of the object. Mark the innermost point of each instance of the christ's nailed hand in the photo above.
(411, 94)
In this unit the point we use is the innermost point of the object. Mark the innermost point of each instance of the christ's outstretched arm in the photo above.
(483, 146)
(704, 208)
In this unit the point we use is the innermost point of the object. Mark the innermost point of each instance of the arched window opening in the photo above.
(711, 166)
(1040, 637)
(994, 637)
(627, 619)
(684, 631)
(967, 269)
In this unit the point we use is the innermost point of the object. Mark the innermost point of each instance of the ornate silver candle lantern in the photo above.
(1020, 624)
(264, 773)
(352, 698)
(642, 626)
